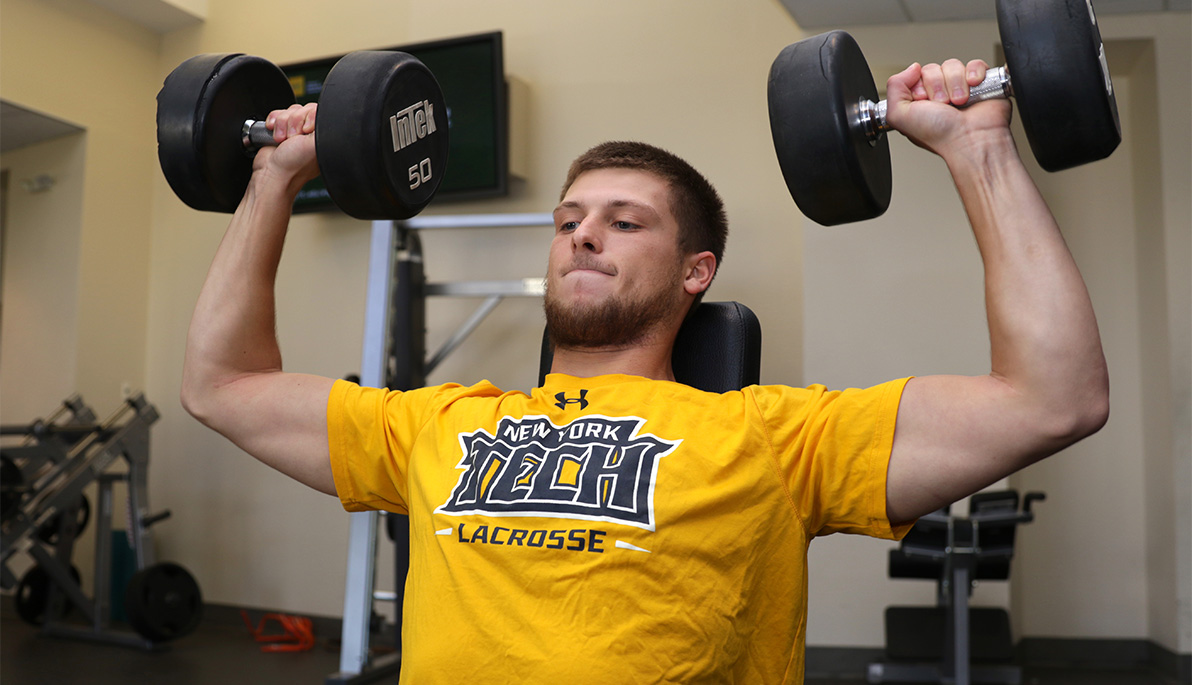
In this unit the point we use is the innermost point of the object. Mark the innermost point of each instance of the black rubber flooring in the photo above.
(224, 653)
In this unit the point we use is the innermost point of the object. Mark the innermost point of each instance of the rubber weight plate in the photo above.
(32, 596)
(381, 134)
(201, 110)
(834, 173)
(163, 602)
(1061, 80)
(12, 487)
(48, 531)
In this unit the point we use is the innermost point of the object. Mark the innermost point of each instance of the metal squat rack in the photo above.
(394, 356)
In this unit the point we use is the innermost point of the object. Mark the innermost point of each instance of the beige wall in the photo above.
(38, 332)
(77, 62)
(575, 101)
(689, 76)
(1164, 257)
(39, 322)
(1129, 543)
(1082, 544)
(1104, 557)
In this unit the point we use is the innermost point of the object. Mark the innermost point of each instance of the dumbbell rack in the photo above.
(394, 356)
(60, 457)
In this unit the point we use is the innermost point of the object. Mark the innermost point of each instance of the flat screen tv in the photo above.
(471, 72)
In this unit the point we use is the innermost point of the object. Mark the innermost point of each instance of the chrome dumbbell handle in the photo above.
(871, 116)
(255, 136)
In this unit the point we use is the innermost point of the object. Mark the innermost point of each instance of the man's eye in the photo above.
(625, 225)
(568, 225)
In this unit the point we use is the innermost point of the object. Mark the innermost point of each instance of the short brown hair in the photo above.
(695, 204)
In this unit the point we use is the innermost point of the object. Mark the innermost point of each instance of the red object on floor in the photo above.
(298, 635)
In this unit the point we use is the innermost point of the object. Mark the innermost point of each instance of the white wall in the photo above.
(845, 306)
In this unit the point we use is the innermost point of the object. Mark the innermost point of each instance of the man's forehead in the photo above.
(610, 202)
(618, 188)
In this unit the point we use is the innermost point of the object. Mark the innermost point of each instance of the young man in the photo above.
(615, 526)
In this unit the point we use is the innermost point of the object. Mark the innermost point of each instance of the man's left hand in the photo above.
(925, 104)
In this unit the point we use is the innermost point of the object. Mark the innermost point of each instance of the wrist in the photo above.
(983, 149)
(267, 185)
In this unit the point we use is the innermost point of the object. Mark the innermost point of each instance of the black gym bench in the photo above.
(938, 644)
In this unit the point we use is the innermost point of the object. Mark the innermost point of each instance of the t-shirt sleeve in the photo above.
(371, 433)
(832, 450)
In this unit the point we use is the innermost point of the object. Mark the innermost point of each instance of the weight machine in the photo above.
(937, 644)
(44, 510)
(394, 356)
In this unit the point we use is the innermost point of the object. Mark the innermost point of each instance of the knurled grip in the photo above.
(871, 117)
(255, 136)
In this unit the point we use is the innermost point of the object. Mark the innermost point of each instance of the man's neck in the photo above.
(650, 359)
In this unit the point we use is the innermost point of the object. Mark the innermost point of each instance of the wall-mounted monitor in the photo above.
(471, 72)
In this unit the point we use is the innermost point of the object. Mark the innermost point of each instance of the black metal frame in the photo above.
(955, 559)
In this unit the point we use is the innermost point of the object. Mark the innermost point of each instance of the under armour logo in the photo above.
(563, 400)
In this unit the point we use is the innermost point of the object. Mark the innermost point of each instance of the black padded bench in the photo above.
(939, 644)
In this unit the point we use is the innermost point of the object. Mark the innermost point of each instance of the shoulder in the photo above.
(819, 399)
(346, 393)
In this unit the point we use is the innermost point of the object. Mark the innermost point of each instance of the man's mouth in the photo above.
(588, 265)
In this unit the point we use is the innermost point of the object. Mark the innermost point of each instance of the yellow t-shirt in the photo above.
(612, 529)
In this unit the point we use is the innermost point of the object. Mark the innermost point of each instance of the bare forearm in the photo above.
(232, 331)
(1048, 385)
(1043, 333)
(233, 380)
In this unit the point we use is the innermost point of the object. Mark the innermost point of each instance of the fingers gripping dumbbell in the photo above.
(828, 128)
(871, 116)
(380, 135)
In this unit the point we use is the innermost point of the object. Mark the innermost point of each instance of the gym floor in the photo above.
(221, 652)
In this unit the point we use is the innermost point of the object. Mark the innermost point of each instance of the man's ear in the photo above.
(699, 270)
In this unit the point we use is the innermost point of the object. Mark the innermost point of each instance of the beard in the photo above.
(615, 322)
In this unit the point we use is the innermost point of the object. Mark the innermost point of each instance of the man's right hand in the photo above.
(293, 161)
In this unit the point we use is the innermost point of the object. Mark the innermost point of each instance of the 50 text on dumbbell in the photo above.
(211, 121)
(409, 126)
(412, 124)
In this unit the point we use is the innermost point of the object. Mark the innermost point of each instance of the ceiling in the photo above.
(817, 14)
(163, 16)
(20, 127)
(159, 16)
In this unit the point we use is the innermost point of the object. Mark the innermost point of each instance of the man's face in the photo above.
(615, 272)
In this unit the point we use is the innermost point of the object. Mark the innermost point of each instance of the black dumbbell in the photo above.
(380, 136)
(828, 129)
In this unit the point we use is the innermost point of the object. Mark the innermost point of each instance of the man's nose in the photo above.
(586, 236)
